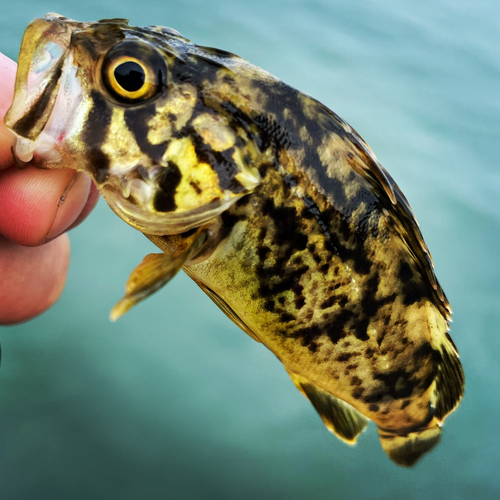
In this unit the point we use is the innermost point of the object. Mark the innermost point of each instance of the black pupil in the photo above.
(130, 76)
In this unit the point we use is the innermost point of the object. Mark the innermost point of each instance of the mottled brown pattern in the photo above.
(280, 212)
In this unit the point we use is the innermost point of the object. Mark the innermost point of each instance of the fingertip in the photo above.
(71, 204)
(92, 200)
(37, 205)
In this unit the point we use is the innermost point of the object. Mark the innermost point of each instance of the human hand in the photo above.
(34, 214)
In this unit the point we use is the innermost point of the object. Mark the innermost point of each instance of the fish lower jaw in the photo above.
(168, 223)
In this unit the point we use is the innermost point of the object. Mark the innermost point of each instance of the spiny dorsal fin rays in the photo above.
(154, 272)
(338, 416)
(408, 229)
(403, 217)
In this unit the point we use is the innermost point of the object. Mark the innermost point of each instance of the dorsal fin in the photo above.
(394, 201)
(404, 221)
(338, 416)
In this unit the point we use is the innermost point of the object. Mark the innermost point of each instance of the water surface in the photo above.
(173, 401)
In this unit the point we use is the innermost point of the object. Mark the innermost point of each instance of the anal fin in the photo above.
(339, 417)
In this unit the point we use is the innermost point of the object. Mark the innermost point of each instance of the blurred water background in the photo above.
(173, 401)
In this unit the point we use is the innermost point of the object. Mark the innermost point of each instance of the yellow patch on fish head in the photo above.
(199, 184)
(121, 146)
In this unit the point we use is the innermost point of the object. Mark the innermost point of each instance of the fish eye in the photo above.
(130, 79)
(131, 76)
(133, 72)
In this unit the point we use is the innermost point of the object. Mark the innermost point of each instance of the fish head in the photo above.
(141, 111)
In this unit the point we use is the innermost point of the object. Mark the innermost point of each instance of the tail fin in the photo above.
(446, 392)
(405, 450)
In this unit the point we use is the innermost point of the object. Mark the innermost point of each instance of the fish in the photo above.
(273, 204)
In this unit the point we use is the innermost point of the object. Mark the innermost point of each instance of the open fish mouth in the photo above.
(48, 91)
(43, 143)
(131, 199)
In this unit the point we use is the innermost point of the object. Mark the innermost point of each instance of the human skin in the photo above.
(34, 216)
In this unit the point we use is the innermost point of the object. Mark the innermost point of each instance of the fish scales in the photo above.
(268, 200)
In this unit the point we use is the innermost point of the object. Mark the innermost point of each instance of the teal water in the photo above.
(173, 401)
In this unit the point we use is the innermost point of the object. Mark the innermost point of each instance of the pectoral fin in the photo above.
(338, 416)
(155, 271)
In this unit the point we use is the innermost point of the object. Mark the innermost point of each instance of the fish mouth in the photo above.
(47, 91)
(131, 200)
(42, 145)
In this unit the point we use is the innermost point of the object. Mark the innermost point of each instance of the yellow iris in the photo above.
(131, 78)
